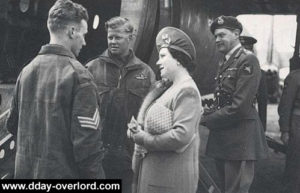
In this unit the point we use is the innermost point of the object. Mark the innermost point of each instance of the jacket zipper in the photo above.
(119, 81)
(120, 77)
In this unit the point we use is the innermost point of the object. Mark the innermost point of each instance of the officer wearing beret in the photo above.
(289, 120)
(262, 95)
(236, 138)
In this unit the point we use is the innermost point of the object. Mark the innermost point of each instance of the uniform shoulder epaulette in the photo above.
(247, 51)
(239, 53)
(242, 51)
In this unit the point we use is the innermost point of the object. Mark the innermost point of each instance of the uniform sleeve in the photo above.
(187, 111)
(86, 132)
(13, 116)
(286, 103)
(242, 97)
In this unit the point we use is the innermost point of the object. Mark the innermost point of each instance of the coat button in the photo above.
(218, 107)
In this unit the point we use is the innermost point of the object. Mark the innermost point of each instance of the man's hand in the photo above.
(285, 137)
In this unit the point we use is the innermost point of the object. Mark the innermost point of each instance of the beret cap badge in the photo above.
(176, 39)
(166, 38)
(220, 20)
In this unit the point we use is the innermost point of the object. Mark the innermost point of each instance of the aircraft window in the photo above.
(96, 22)
(24, 5)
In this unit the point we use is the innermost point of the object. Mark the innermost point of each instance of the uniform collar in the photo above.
(133, 61)
(57, 50)
(236, 53)
(227, 56)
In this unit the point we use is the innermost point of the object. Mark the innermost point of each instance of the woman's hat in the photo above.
(171, 37)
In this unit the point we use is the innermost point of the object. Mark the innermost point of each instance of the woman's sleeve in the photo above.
(187, 111)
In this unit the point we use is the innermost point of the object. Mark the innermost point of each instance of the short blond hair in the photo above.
(116, 22)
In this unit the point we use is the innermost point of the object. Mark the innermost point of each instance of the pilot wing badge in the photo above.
(141, 76)
(90, 122)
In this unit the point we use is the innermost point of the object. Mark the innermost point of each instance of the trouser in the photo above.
(291, 180)
(235, 176)
(115, 167)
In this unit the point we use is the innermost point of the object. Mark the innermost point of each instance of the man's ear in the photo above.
(130, 36)
(236, 33)
(71, 32)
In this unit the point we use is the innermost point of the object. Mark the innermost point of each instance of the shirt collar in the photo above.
(227, 56)
(56, 49)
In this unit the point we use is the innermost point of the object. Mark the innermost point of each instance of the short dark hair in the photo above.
(64, 12)
(183, 59)
(116, 22)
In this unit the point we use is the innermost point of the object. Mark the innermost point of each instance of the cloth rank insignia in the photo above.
(248, 69)
(90, 122)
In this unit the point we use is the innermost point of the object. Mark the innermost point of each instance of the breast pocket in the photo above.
(229, 80)
(135, 98)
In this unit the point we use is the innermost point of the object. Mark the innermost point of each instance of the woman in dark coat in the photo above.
(166, 131)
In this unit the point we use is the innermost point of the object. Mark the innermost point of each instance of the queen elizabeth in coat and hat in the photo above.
(166, 131)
